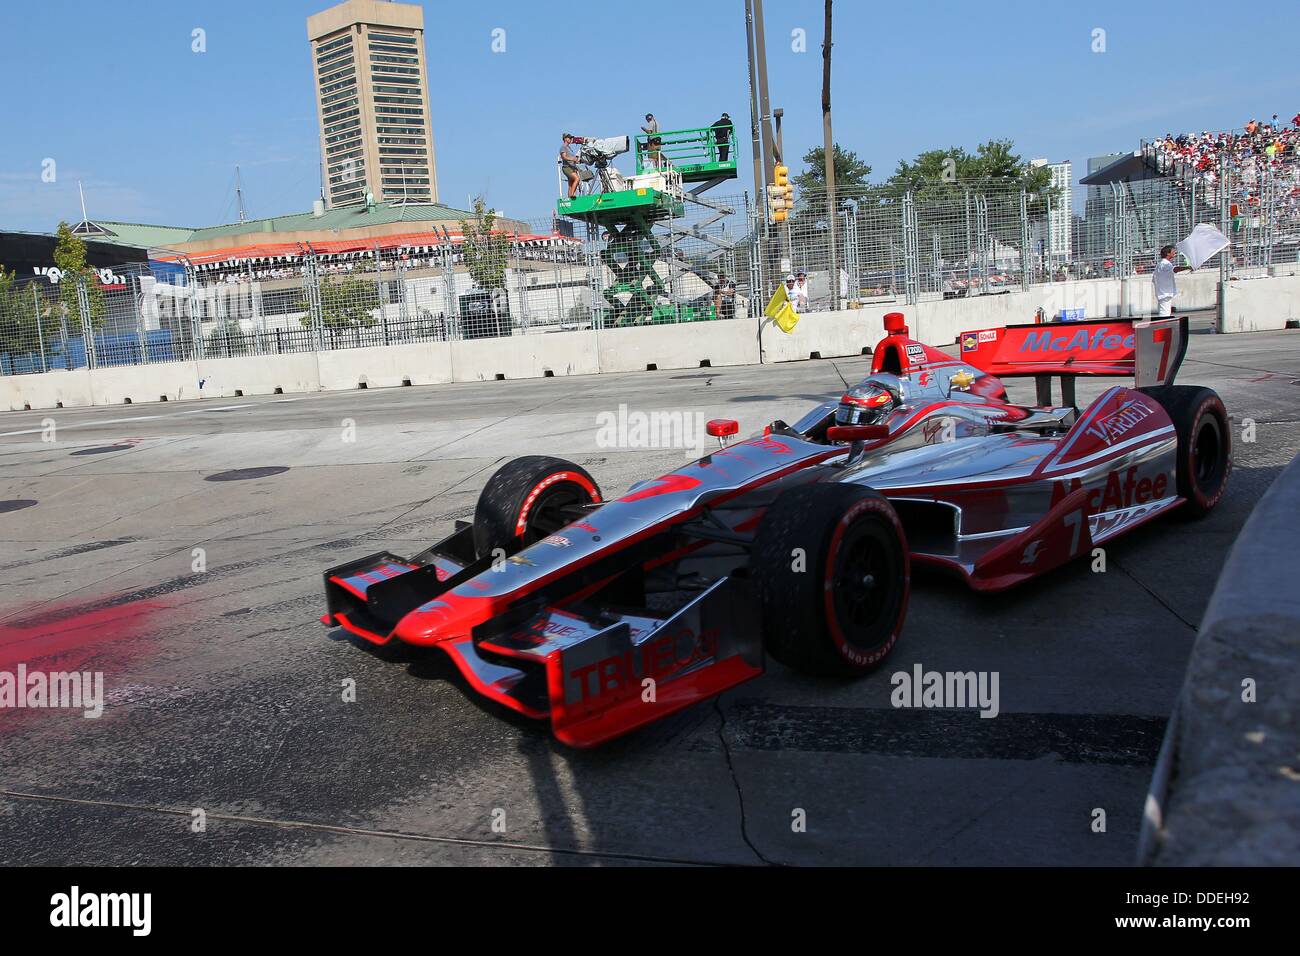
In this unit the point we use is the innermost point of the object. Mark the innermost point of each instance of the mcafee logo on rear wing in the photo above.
(1151, 351)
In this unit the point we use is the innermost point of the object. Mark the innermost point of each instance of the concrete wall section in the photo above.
(164, 381)
(1259, 305)
(825, 335)
(688, 345)
(525, 356)
(70, 389)
(1233, 798)
(939, 323)
(420, 363)
(259, 375)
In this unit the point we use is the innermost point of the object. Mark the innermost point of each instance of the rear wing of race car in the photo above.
(1149, 351)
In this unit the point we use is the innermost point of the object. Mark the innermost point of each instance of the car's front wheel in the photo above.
(528, 499)
(831, 567)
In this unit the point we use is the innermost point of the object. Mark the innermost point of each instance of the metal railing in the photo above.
(698, 151)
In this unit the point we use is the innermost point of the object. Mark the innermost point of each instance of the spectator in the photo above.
(1163, 279)
(1261, 155)
(722, 137)
(724, 297)
(801, 291)
(789, 292)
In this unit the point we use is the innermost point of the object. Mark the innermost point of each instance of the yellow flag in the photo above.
(781, 311)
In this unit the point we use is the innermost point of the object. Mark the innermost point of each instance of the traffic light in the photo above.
(776, 203)
(780, 195)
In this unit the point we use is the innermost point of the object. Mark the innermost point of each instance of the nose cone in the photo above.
(444, 618)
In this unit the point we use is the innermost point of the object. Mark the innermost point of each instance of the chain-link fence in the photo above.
(712, 259)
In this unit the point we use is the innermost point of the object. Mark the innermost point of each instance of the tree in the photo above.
(809, 225)
(850, 172)
(11, 323)
(229, 339)
(348, 300)
(70, 257)
(945, 173)
(19, 311)
(486, 249)
(943, 182)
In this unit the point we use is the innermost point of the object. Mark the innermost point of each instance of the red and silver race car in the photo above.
(602, 616)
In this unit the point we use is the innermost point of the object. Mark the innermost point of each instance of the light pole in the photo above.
(832, 213)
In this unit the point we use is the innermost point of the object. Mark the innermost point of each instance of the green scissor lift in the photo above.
(627, 218)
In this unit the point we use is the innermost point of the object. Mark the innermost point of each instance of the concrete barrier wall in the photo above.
(687, 345)
(939, 323)
(525, 356)
(419, 363)
(1258, 305)
(258, 375)
(165, 381)
(1232, 796)
(1251, 305)
(826, 335)
(71, 389)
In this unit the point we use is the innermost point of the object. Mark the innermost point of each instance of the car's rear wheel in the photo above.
(832, 571)
(528, 499)
(1204, 443)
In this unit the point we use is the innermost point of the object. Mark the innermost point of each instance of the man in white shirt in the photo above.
(791, 295)
(1163, 278)
(801, 292)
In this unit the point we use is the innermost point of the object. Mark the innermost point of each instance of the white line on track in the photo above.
(135, 418)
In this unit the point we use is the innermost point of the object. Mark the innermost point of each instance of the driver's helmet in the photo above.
(865, 404)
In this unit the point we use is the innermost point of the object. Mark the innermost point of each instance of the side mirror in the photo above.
(857, 432)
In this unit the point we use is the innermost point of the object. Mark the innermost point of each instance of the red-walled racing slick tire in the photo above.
(831, 567)
(528, 499)
(1204, 444)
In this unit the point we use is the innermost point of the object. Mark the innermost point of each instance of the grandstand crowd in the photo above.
(1259, 153)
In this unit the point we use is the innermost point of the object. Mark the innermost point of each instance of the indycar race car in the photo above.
(602, 616)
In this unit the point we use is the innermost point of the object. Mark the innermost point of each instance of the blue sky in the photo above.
(114, 94)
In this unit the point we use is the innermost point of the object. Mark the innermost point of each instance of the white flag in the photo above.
(1203, 244)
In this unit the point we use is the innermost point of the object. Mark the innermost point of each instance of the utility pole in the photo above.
(765, 109)
(832, 212)
(760, 193)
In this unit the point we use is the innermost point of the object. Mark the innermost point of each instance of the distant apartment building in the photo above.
(372, 95)
(1058, 234)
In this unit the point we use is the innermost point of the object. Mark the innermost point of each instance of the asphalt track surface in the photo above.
(224, 693)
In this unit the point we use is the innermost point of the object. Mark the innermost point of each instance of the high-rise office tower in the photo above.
(372, 96)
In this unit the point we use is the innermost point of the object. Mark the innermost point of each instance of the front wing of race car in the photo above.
(596, 672)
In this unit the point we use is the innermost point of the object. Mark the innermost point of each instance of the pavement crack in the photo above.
(735, 782)
(1156, 597)
(442, 494)
(359, 831)
(266, 774)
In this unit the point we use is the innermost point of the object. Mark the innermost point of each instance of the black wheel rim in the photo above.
(553, 510)
(865, 583)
